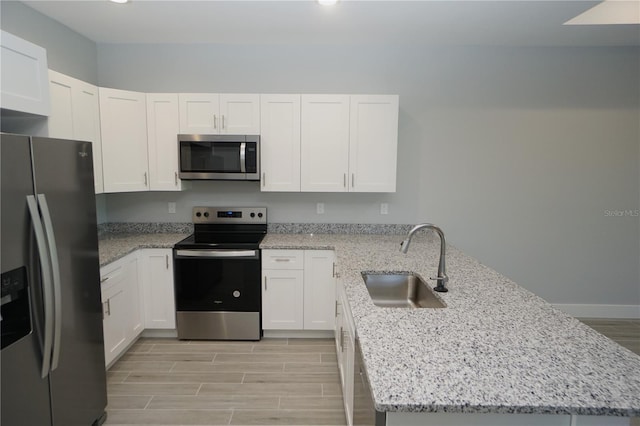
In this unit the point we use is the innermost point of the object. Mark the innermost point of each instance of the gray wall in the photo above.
(67, 51)
(516, 152)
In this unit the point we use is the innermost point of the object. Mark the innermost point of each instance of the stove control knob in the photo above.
(236, 293)
(206, 214)
(252, 215)
(198, 214)
(259, 214)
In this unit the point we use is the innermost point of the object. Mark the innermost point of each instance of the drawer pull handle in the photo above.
(282, 260)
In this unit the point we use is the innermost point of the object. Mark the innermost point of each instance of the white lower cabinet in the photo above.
(298, 289)
(345, 334)
(156, 278)
(121, 305)
(282, 292)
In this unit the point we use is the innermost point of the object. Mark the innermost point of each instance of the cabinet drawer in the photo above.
(282, 259)
(111, 278)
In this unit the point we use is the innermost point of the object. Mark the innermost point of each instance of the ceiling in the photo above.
(445, 22)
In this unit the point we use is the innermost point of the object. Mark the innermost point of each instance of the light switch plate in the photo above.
(172, 208)
(320, 208)
(384, 208)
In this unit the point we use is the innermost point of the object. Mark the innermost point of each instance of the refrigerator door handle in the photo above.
(47, 287)
(55, 269)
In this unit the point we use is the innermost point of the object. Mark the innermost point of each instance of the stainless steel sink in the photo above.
(400, 290)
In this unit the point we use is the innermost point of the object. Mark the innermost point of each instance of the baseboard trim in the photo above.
(160, 333)
(600, 311)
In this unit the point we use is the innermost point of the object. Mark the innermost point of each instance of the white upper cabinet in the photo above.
(373, 143)
(24, 84)
(199, 113)
(75, 114)
(240, 114)
(280, 142)
(211, 113)
(324, 144)
(123, 118)
(162, 135)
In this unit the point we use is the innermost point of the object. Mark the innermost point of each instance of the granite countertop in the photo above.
(113, 246)
(495, 348)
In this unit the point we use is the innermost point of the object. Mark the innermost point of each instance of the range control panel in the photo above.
(239, 215)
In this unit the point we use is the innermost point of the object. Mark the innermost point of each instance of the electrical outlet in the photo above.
(320, 208)
(172, 208)
(384, 208)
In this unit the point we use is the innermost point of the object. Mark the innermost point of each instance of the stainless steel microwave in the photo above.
(219, 157)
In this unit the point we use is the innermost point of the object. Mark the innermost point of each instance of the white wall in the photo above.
(67, 51)
(515, 152)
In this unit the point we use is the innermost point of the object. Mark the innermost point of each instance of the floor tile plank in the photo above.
(288, 417)
(169, 417)
(269, 357)
(230, 367)
(153, 389)
(213, 402)
(290, 378)
(127, 402)
(273, 389)
(153, 377)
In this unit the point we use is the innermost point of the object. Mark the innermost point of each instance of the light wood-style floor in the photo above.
(271, 382)
(626, 332)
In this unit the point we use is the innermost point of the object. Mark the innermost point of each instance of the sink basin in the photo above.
(400, 290)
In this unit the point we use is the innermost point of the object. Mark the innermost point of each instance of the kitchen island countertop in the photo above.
(495, 348)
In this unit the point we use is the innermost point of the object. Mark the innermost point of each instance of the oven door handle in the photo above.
(239, 254)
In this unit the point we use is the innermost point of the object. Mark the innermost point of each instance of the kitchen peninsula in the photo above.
(497, 354)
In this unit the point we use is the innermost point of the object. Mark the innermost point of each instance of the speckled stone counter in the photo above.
(495, 348)
(114, 246)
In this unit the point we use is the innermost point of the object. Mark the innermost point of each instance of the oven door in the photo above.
(217, 280)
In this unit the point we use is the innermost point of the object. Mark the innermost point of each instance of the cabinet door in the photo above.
(280, 142)
(115, 313)
(349, 358)
(282, 299)
(24, 84)
(157, 285)
(123, 119)
(86, 125)
(324, 144)
(319, 290)
(60, 121)
(75, 114)
(199, 113)
(240, 114)
(373, 143)
(163, 126)
(135, 312)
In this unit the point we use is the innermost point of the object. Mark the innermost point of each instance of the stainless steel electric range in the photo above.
(217, 275)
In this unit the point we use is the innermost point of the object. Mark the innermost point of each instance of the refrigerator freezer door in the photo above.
(64, 175)
(25, 394)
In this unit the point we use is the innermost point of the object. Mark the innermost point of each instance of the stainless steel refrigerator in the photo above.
(52, 359)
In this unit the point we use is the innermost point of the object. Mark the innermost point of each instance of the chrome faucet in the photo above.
(442, 277)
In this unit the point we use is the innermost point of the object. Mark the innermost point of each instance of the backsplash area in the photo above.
(274, 228)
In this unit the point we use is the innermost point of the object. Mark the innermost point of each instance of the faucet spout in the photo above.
(442, 277)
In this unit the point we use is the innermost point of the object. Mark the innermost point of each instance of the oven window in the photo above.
(217, 285)
(210, 157)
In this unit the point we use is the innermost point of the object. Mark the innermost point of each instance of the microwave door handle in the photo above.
(243, 157)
